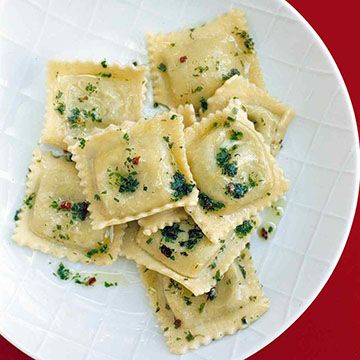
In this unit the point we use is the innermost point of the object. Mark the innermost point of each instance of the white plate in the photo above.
(50, 319)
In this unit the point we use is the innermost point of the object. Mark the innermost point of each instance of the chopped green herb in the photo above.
(29, 200)
(217, 276)
(82, 143)
(212, 265)
(243, 271)
(102, 249)
(171, 232)
(105, 75)
(209, 204)
(149, 241)
(236, 135)
(128, 183)
(104, 64)
(244, 321)
(203, 104)
(189, 336)
(79, 210)
(223, 158)
(236, 190)
(61, 108)
(197, 89)
(230, 74)
(187, 300)
(59, 95)
(97, 197)
(74, 117)
(109, 284)
(173, 117)
(16, 216)
(201, 307)
(162, 67)
(90, 88)
(126, 137)
(62, 272)
(244, 229)
(195, 235)
(167, 139)
(248, 42)
(180, 187)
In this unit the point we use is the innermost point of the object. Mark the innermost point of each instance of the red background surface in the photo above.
(330, 328)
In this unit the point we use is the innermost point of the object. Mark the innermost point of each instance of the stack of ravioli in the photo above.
(178, 193)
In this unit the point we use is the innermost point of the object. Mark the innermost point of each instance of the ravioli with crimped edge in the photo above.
(55, 218)
(190, 321)
(233, 168)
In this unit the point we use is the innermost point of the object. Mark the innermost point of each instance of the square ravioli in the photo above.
(84, 95)
(182, 252)
(189, 65)
(189, 321)
(135, 171)
(234, 171)
(270, 117)
(55, 219)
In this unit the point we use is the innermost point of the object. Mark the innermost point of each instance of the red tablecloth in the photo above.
(330, 328)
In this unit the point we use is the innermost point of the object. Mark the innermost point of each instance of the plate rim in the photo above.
(345, 235)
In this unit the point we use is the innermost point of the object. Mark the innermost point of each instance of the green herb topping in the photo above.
(62, 272)
(195, 235)
(101, 249)
(162, 67)
(230, 74)
(168, 140)
(223, 160)
(90, 88)
(189, 336)
(236, 135)
(180, 187)
(203, 104)
(128, 183)
(29, 200)
(171, 233)
(209, 204)
(16, 216)
(248, 42)
(60, 108)
(244, 229)
(104, 64)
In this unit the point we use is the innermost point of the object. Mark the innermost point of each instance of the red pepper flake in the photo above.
(231, 187)
(264, 233)
(183, 59)
(65, 205)
(91, 281)
(177, 323)
(136, 160)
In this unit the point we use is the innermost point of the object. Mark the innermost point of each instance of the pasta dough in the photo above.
(136, 171)
(153, 223)
(234, 171)
(54, 218)
(189, 321)
(270, 117)
(189, 65)
(188, 113)
(182, 252)
(84, 95)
